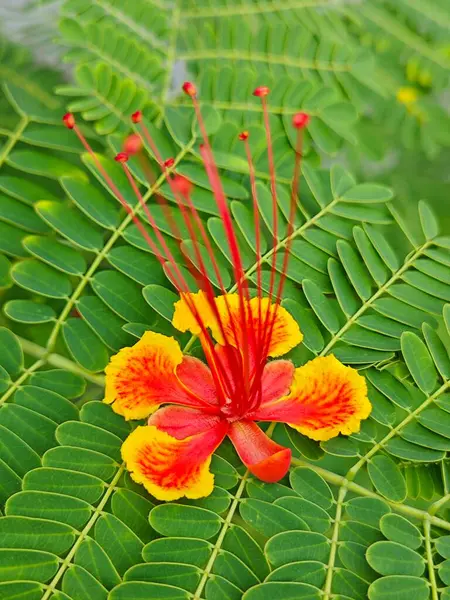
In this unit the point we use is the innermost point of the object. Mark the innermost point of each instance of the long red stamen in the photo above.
(256, 220)
(182, 186)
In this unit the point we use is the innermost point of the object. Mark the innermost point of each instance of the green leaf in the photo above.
(69, 385)
(419, 362)
(178, 550)
(269, 519)
(161, 300)
(36, 534)
(26, 311)
(428, 220)
(46, 505)
(62, 257)
(367, 192)
(402, 587)
(290, 591)
(291, 546)
(398, 529)
(85, 435)
(41, 279)
(121, 544)
(30, 564)
(106, 324)
(143, 590)
(88, 198)
(11, 355)
(184, 521)
(71, 224)
(321, 306)
(84, 345)
(387, 478)
(122, 295)
(308, 484)
(367, 510)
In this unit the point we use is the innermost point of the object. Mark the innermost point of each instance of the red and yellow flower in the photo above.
(193, 405)
(171, 455)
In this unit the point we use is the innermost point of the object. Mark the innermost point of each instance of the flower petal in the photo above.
(183, 317)
(263, 457)
(262, 315)
(140, 378)
(276, 380)
(196, 376)
(170, 468)
(259, 315)
(181, 422)
(326, 399)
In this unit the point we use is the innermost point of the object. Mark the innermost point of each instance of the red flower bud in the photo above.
(243, 135)
(169, 163)
(69, 120)
(300, 120)
(122, 157)
(136, 117)
(261, 91)
(189, 89)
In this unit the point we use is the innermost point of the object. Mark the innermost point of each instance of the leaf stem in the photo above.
(83, 534)
(339, 480)
(429, 556)
(372, 299)
(334, 541)
(61, 362)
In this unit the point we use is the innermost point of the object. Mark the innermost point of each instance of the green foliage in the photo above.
(356, 518)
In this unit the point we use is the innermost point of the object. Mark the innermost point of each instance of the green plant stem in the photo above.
(253, 9)
(334, 542)
(372, 299)
(14, 137)
(429, 557)
(412, 415)
(18, 382)
(61, 362)
(340, 481)
(83, 534)
(225, 527)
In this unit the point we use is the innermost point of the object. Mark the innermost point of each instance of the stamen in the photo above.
(69, 120)
(136, 117)
(261, 91)
(256, 220)
(300, 120)
(132, 144)
(189, 89)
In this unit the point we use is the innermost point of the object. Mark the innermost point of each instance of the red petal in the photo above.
(263, 457)
(276, 381)
(196, 376)
(181, 422)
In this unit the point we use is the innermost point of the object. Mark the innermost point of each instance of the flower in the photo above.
(193, 404)
(171, 455)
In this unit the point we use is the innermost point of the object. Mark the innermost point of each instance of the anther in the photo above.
(261, 91)
(300, 120)
(189, 89)
(182, 185)
(69, 120)
(243, 135)
(136, 117)
(122, 157)
(132, 144)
